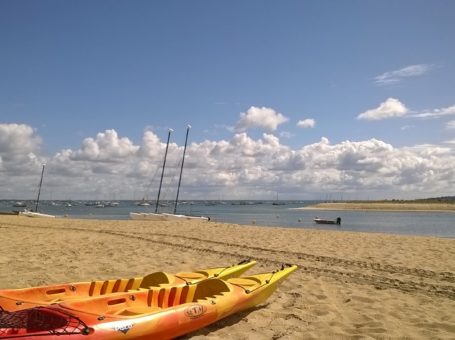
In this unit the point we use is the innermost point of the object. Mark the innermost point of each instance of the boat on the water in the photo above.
(319, 220)
(156, 313)
(31, 213)
(143, 203)
(18, 299)
(20, 204)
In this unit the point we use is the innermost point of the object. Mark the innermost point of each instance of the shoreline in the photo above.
(379, 206)
(348, 285)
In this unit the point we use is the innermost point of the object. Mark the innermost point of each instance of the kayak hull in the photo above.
(157, 313)
(18, 299)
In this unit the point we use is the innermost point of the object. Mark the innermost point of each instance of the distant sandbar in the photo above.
(383, 206)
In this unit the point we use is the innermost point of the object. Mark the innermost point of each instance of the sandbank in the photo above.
(383, 206)
(349, 285)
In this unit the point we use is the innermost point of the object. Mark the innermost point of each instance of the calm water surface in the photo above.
(266, 214)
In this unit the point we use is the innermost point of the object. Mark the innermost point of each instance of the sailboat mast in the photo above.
(162, 172)
(181, 168)
(39, 188)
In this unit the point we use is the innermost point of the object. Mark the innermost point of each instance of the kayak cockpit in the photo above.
(134, 304)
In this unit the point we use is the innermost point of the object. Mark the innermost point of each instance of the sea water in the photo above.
(264, 213)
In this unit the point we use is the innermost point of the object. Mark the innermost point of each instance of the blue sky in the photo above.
(70, 70)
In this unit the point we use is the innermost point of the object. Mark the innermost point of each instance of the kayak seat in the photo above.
(209, 289)
(190, 276)
(155, 280)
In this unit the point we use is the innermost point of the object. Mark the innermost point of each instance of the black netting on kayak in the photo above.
(40, 320)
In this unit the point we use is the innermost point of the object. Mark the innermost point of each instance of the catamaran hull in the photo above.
(34, 214)
(147, 216)
(167, 217)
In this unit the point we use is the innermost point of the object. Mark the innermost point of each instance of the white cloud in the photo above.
(394, 108)
(263, 117)
(306, 123)
(241, 167)
(390, 108)
(286, 134)
(396, 76)
(450, 124)
(18, 138)
(19, 148)
(436, 113)
(107, 146)
(406, 127)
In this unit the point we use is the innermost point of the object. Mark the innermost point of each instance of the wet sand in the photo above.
(349, 285)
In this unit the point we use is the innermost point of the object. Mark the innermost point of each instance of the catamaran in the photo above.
(31, 213)
(156, 216)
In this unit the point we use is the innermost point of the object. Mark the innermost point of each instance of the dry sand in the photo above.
(349, 285)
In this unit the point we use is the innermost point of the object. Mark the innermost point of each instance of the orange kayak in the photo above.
(156, 313)
(17, 299)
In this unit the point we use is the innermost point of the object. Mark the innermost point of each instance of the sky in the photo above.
(295, 99)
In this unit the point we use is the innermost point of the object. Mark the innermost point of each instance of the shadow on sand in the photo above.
(229, 321)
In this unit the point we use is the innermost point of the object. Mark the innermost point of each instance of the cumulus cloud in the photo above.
(241, 167)
(260, 117)
(19, 148)
(392, 77)
(390, 108)
(107, 146)
(18, 139)
(306, 123)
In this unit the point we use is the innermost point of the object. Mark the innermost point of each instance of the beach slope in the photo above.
(348, 284)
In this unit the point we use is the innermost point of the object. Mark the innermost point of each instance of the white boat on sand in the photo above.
(30, 213)
(156, 216)
(166, 217)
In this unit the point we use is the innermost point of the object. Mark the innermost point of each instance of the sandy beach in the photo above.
(349, 285)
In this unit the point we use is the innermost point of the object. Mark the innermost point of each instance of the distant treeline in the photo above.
(444, 199)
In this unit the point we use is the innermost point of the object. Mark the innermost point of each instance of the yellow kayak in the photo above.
(156, 313)
(17, 299)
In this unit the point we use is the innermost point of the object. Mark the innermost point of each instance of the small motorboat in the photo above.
(319, 220)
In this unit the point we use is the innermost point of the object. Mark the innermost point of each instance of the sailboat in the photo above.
(156, 216)
(31, 213)
(277, 202)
